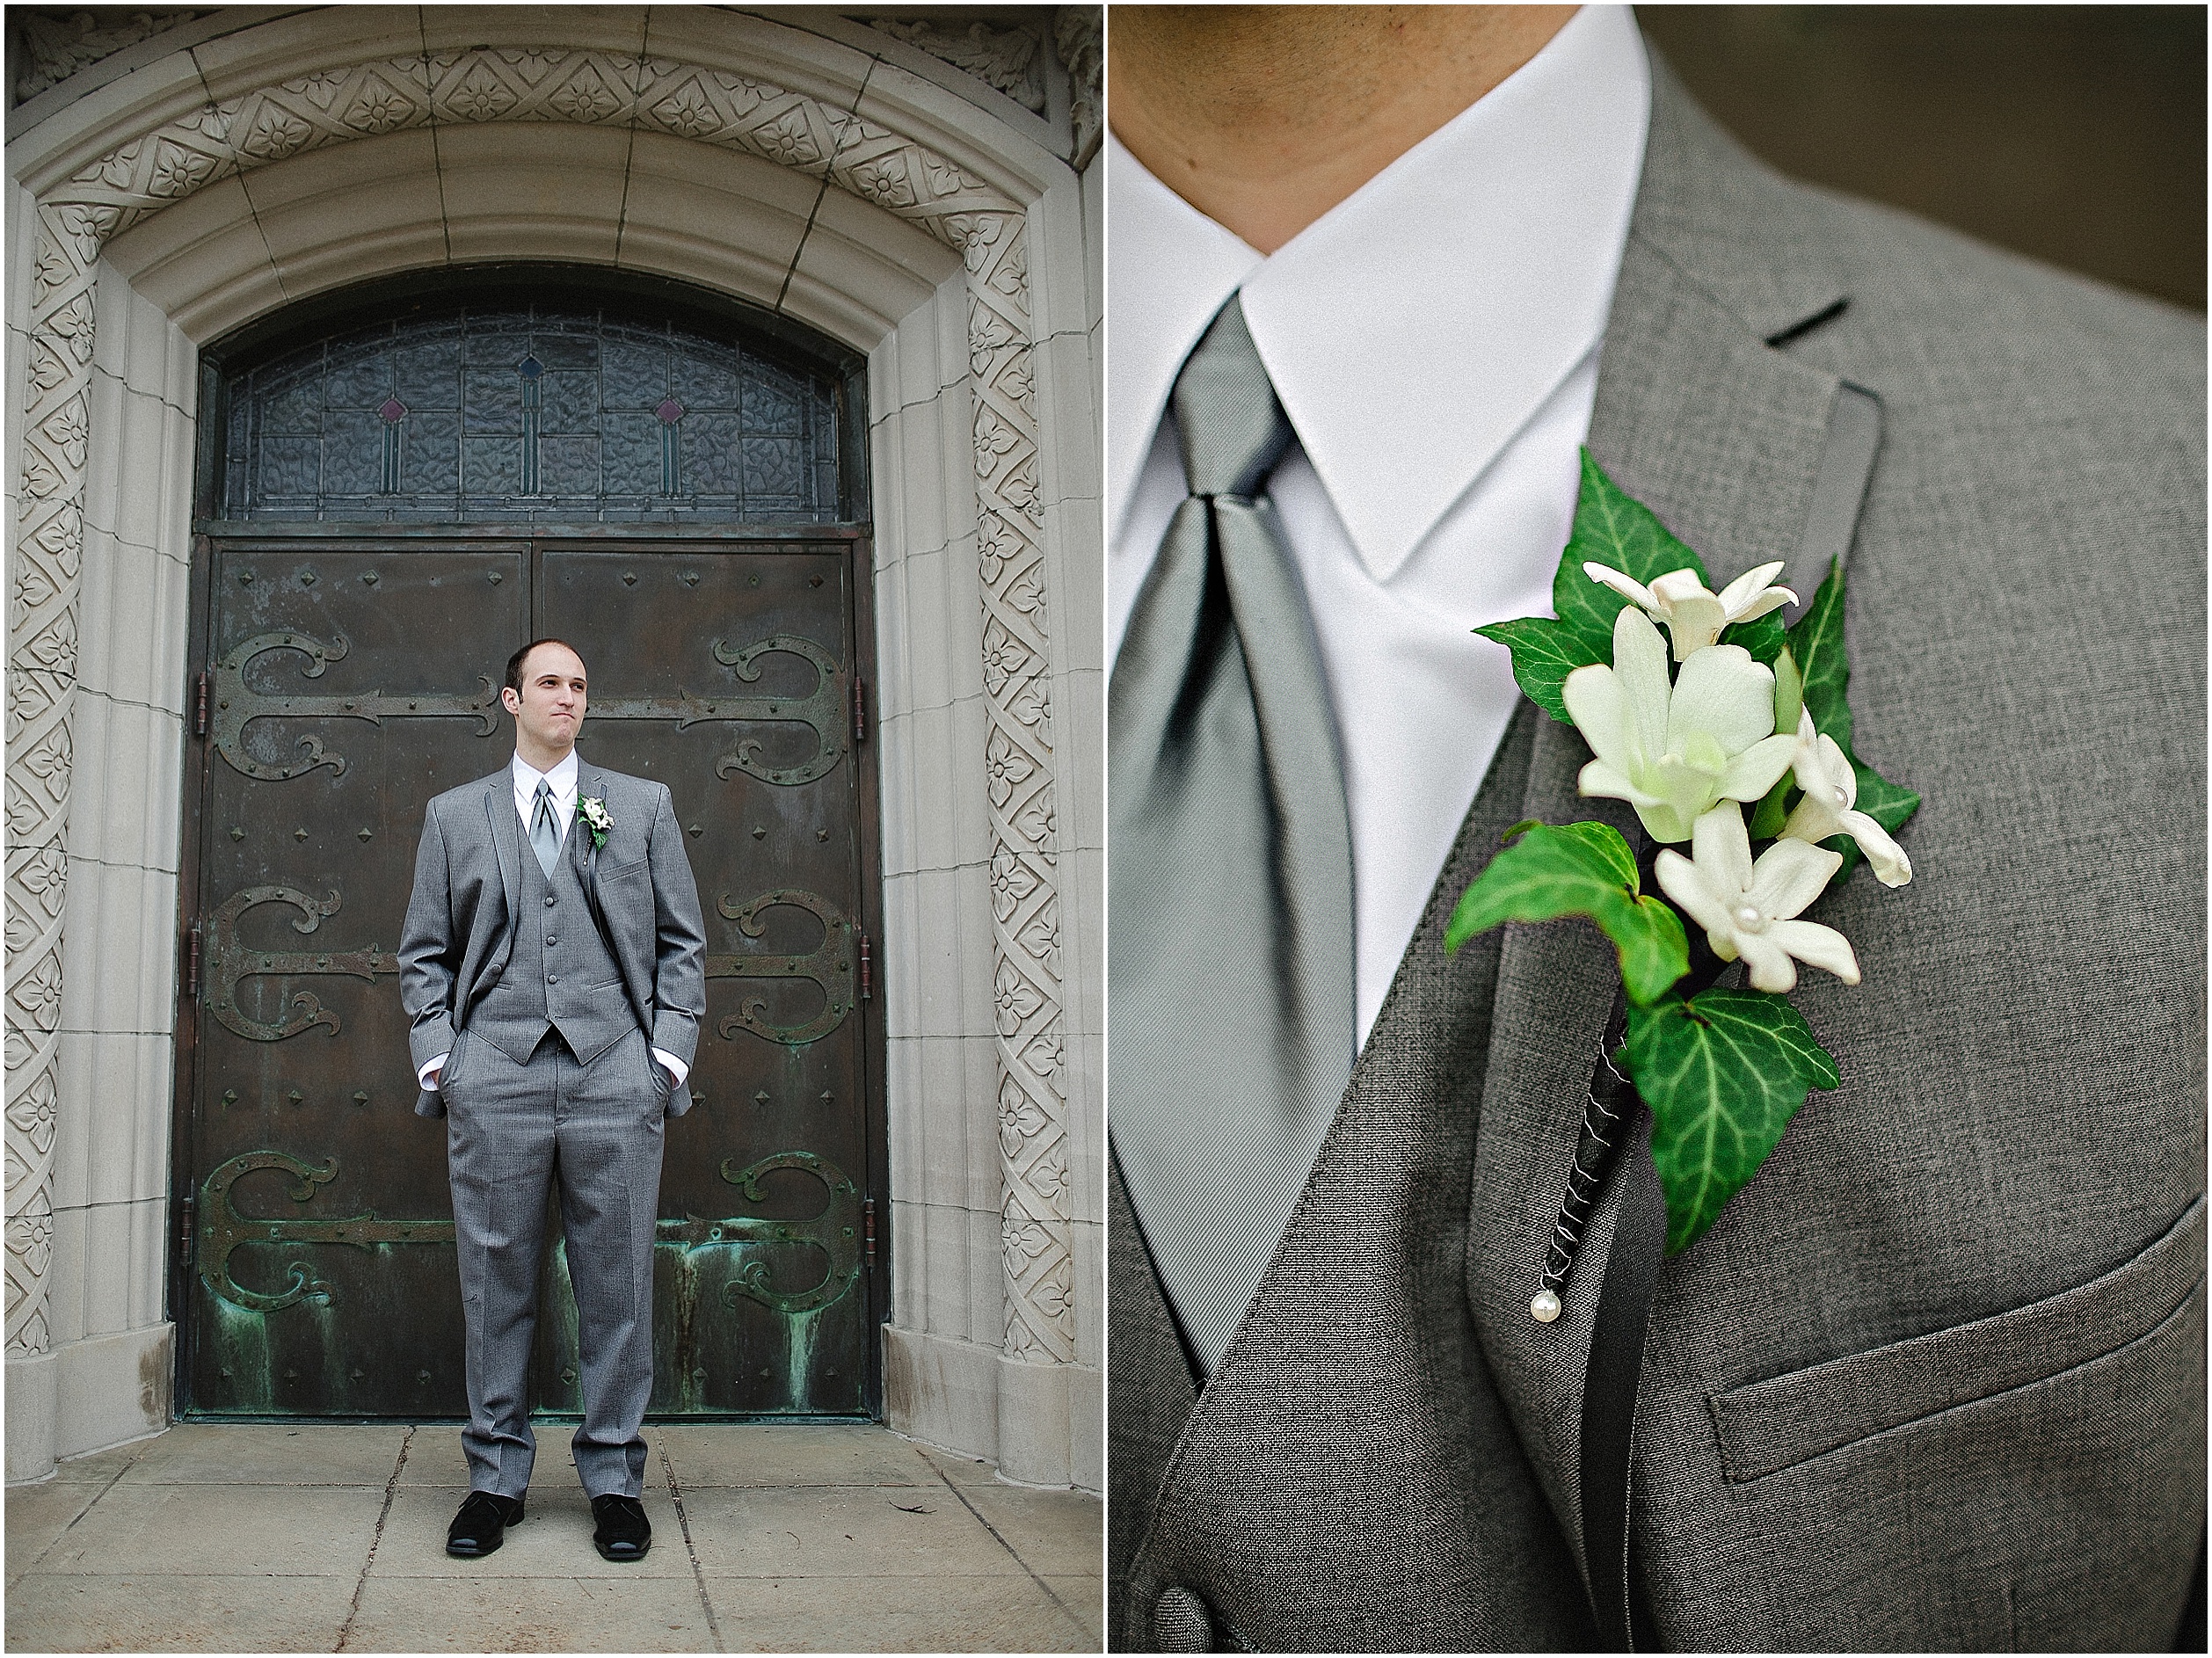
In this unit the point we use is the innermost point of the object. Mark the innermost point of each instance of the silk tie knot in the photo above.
(1231, 424)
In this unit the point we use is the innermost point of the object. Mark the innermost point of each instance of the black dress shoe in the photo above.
(623, 1533)
(481, 1525)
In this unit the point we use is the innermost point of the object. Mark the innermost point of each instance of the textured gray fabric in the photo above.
(1347, 1479)
(454, 942)
(1765, 1427)
(545, 834)
(559, 972)
(1149, 1386)
(2022, 1106)
(550, 1079)
(1232, 1040)
(512, 1132)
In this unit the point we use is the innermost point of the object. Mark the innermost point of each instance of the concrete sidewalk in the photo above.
(768, 1538)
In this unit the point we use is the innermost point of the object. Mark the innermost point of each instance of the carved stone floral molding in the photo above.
(58, 41)
(1009, 60)
(1080, 35)
(338, 105)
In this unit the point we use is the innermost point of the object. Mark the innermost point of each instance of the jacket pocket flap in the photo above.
(1765, 1427)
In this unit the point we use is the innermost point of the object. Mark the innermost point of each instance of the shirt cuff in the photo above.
(422, 1077)
(676, 1067)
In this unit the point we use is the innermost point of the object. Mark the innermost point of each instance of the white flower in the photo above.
(1693, 614)
(1672, 752)
(593, 810)
(1831, 791)
(1747, 908)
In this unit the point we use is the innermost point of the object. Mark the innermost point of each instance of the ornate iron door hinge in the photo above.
(835, 1230)
(867, 1225)
(191, 963)
(199, 705)
(867, 970)
(229, 962)
(829, 965)
(237, 705)
(187, 1233)
(859, 710)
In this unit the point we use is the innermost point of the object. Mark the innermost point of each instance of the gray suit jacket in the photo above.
(1935, 1377)
(460, 922)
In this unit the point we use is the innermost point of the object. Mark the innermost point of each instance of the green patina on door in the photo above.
(398, 505)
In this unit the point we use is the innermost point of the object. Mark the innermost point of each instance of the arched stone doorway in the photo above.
(395, 488)
(826, 172)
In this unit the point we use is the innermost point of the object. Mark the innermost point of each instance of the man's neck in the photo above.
(1264, 118)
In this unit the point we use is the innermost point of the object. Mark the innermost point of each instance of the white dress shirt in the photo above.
(1434, 339)
(526, 778)
(561, 778)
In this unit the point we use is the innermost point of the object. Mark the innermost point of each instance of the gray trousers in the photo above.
(511, 1130)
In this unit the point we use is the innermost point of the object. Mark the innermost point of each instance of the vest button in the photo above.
(549, 939)
(548, 903)
(1180, 1622)
(552, 978)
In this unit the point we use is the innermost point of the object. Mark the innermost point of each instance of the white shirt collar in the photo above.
(562, 777)
(1479, 267)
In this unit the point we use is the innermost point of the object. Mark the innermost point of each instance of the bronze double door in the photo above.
(346, 683)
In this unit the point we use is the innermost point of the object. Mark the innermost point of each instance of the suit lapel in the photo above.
(579, 844)
(1723, 435)
(507, 831)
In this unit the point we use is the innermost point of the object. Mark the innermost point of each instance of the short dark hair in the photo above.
(515, 662)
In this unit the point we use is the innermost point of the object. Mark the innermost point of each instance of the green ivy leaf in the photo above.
(1611, 527)
(1723, 1073)
(1764, 637)
(1578, 868)
(1773, 811)
(1817, 643)
(1545, 652)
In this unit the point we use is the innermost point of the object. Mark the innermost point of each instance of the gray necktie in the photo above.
(1230, 983)
(545, 834)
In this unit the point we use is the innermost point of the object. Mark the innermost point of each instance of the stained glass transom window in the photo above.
(530, 413)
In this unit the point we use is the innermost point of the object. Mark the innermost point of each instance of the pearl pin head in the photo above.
(1545, 1307)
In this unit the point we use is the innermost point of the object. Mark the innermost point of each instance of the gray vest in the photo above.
(559, 973)
(1350, 1479)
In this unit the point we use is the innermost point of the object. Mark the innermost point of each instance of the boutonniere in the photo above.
(1731, 738)
(591, 812)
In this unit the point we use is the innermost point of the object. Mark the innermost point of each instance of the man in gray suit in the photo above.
(552, 968)
(1935, 1379)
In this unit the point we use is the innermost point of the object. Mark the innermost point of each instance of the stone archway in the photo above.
(281, 99)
